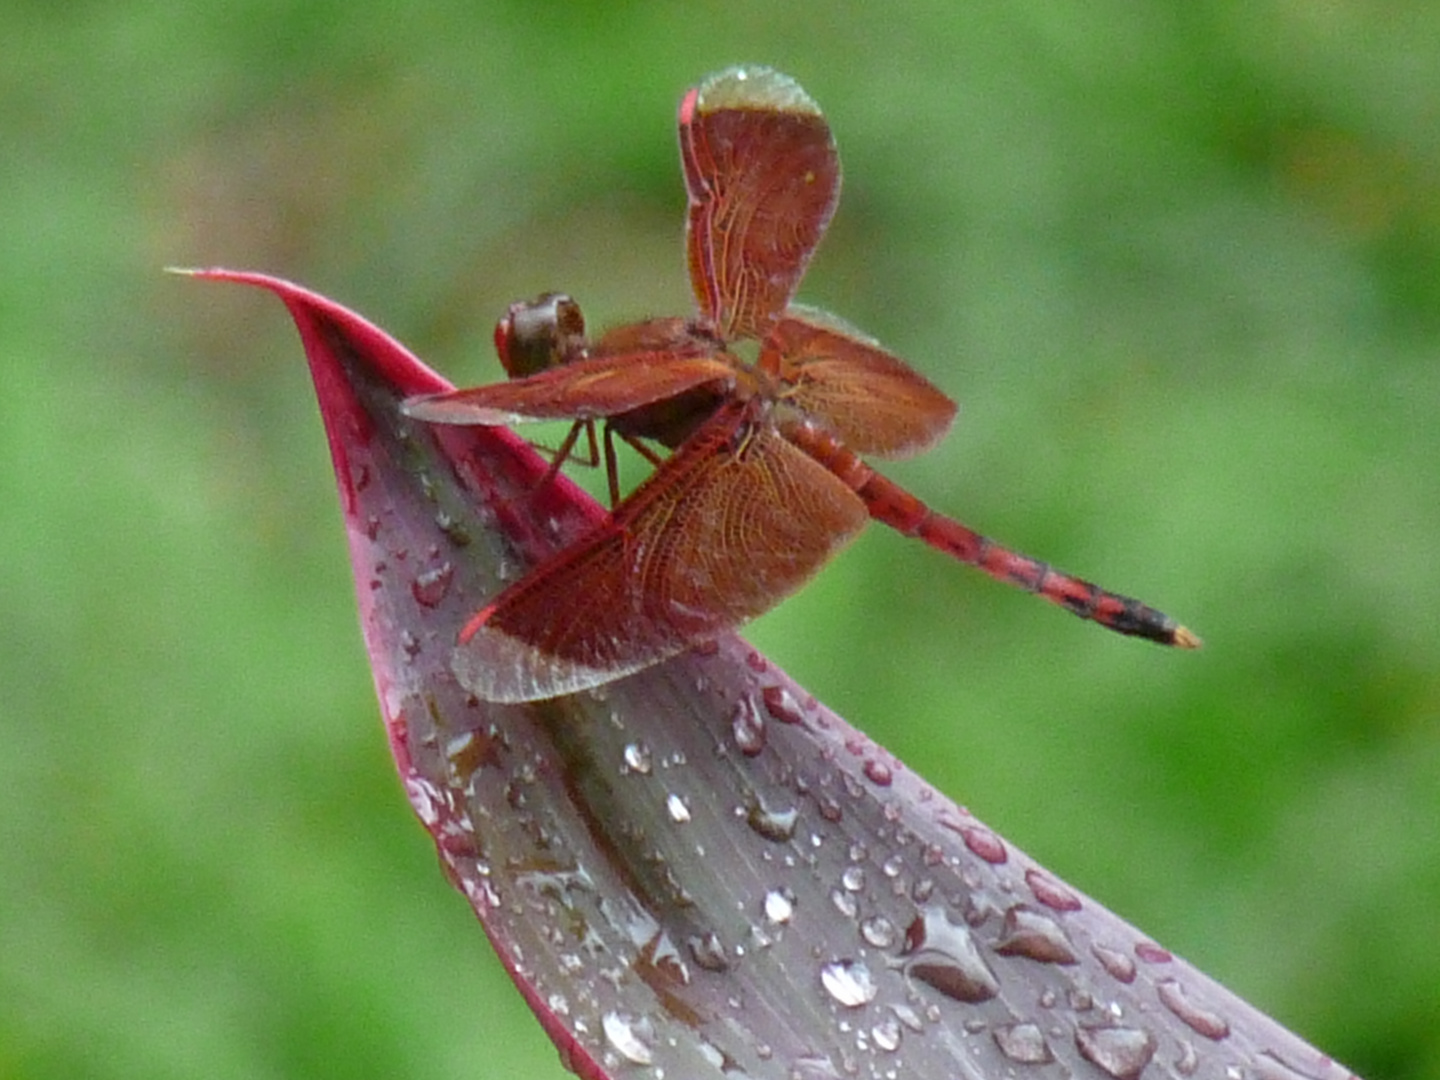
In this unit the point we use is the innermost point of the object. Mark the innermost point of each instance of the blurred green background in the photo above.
(1177, 260)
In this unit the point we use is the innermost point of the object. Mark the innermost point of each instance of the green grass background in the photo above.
(1180, 262)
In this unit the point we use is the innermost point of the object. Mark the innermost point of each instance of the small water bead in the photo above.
(775, 825)
(1050, 892)
(984, 843)
(678, 808)
(852, 878)
(1031, 934)
(779, 905)
(878, 773)
(849, 982)
(845, 903)
(432, 586)
(707, 952)
(1120, 966)
(1023, 1043)
(886, 1035)
(781, 704)
(629, 1037)
(1202, 1021)
(637, 758)
(1151, 953)
(878, 931)
(747, 728)
(1122, 1052)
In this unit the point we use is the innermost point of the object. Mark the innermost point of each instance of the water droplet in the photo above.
(878, 931)
(1151, 953)
(1123, 1052)
(886, 1035)
(984, 843)
(431, 587)
(779, 905)
(637, 758)
(747, 728)
(678, 808)
(1023, 1043)
(849, 982)
(775, 825)
(892, 866)
(813, 1068)
(845, 903)
(852, 878)
(878, 773)
(456, 533)
(1030, 933)
(707, 952)
(410, 643)
(629, 1037)
(756, 662)
(945, 957)
(908, 1016)
(1189, 1061)
(1119, 965)
(781, 704)
(1050, 892)
(1202, 1021)
(829, 808)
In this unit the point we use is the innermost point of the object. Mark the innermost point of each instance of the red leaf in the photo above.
(699, 868)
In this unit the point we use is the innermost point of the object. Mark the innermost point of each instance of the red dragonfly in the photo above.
(765, 480)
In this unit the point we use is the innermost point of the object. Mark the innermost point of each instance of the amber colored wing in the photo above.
(763, 177)
(872, 399)
(733, 522)
(584, 390)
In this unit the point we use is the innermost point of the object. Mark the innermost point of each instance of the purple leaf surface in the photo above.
(699, 869)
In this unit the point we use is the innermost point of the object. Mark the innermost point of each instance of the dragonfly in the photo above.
(767, 409)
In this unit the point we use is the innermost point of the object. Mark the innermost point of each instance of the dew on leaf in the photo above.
(776, 825)
(637, 758)
(945, 957)
(678, 808)
(1034, 935)
(430, 588)
(849, 982)
(1202, 1021)
(629, 1037)
(1122, 1052)
(1023, 1043)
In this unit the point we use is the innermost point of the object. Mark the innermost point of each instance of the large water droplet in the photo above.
(945, 957)
(849, 982)
(1024, 1043)
(1123, 1052)
(630, 1037)
(1032, 934)
(1202, 1021)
